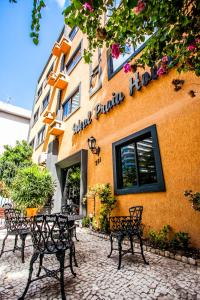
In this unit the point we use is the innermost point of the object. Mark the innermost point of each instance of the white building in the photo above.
(14, 124)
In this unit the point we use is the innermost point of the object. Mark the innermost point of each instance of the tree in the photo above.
(173, 27)
(13, 159)
(32, 187)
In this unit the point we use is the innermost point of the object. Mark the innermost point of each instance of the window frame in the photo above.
(98, 67)
(32, 143)
(79, 47)
(159, 186)
(77, 89)
(36, 112)
(38, 144)
(71, 33)
(112, 73)
(43, 108)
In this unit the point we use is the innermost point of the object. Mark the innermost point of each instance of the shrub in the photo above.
(160, 239)
(32, 187)
(180, 241)
(86, 222)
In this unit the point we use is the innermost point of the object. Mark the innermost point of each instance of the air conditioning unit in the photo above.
(42, 159)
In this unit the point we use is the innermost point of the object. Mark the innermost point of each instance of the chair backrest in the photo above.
(12, 219)
(136, 214)
(50, 233)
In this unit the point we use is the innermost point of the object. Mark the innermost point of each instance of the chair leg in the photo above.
(3, 245)
(141, 247)
(71, 255)
(111, 246)
(131, 242)
(15, 245)
(120, 253)
(40, 266)
(23, 238)
(74, 255)
(33, 259)
(61, 258)
(76, 235)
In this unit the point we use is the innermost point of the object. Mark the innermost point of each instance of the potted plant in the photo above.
(32, 188)
(194, 198)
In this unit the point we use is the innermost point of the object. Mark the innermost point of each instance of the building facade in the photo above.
(147, 130)
(14, 124)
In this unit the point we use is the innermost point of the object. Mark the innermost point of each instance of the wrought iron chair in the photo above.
(71, 209)
(51, 234)
(18, 226)
(127, 226)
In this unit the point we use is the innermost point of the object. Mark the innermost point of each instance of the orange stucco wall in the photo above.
(176, 115)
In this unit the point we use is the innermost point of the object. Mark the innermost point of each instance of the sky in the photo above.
(22, 61)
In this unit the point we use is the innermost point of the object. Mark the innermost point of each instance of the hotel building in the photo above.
(147, 130)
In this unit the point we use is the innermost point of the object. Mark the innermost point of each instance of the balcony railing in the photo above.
(61, 81)
(49, 117)
(56, 49)
(56, 128)
(52, 78)
(65, 45)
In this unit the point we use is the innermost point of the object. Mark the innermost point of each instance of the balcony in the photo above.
(65, 45)
(49, 117)
(56, 49)
(52, 78)
(61, 81)
(56, 128)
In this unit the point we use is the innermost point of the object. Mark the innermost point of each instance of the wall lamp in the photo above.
(92, 146)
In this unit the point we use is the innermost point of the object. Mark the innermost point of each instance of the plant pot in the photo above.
(31, 211)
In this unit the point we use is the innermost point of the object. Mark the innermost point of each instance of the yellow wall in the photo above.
(176, 115)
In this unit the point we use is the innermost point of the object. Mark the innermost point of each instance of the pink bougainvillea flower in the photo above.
(127, 68)
(191, 47)
(185, 35)
(197, 41)
(140, 7)
(88, 6)
(162, 70)
(165, 59)
(116, 51)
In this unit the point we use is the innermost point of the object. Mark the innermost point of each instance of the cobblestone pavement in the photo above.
(98, 278)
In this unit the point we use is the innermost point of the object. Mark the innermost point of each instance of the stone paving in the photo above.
(97, 276)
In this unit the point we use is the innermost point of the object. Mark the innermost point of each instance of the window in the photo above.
(62, 63)
(114, 65)
(137, 163)
(72, 103)
(76, 56)
(45, 101)
(35, 116)
(39, 92)
(73, 32)
(41, 135)
(59, 106)
(32, 143)
(95, 73)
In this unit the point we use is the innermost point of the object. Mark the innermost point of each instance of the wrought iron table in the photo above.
(127, 226)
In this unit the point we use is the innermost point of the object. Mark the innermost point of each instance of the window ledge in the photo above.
(94, 91)
(147, 188)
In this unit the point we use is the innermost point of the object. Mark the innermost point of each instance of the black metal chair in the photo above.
(51, 234)
(127, 226)
(16, 225)
(71, 209)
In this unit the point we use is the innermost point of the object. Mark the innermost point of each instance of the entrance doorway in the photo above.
(71, 186)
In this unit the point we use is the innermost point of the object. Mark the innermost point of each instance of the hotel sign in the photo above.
(117, 98)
